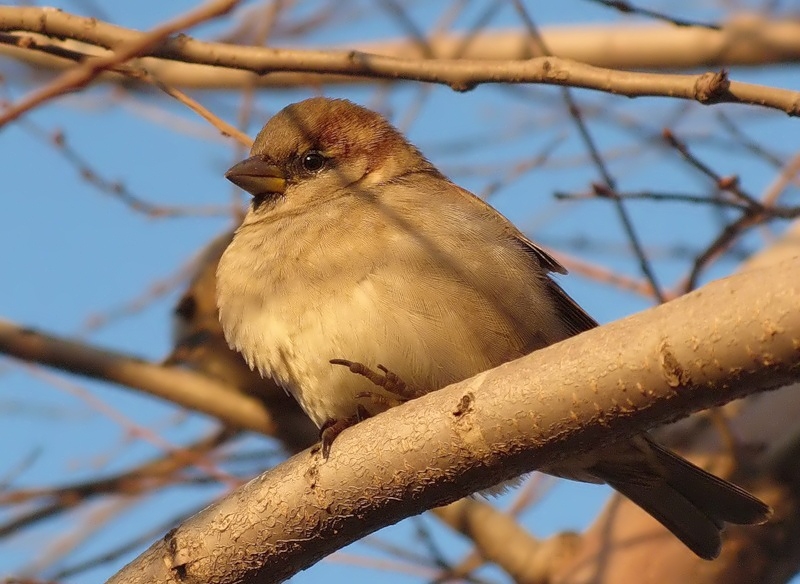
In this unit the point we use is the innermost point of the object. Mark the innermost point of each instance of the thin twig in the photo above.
(628, 8)
(117, 189)
(80, 76)
(588, 140)
(459, 74)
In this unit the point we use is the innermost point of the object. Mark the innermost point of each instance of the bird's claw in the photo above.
(388, 381)
(332, 428)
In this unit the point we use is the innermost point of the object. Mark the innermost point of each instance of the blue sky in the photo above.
(70, 253)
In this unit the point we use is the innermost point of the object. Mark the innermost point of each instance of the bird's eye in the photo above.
(313, 161)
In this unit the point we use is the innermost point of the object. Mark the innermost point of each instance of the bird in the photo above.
(362, 277)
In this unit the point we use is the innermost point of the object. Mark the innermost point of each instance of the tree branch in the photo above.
(745, 40)
(186, 388)
(460, 74)
(726, 340)
(80, 76)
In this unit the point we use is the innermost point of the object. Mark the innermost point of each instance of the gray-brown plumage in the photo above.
(357, 248)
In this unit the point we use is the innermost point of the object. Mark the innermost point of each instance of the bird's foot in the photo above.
(384, 379)
(332, 428)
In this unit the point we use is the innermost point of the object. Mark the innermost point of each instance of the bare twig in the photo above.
(754, 213)
(628, 8)
(137, 481)
(746, 39)
(599, 163)
(224, 127)
(79, 77)
(459, 74)
(116, 189)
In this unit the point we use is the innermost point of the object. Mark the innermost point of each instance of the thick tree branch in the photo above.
(460, 74)
(726, 340)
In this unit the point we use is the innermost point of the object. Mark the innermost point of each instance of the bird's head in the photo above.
(322, 147)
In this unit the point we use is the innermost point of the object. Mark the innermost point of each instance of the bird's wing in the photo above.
(576, 319)
(545, 260)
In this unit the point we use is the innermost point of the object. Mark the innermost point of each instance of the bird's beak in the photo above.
(256, 176)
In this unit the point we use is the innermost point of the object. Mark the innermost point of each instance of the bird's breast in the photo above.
(289, 307)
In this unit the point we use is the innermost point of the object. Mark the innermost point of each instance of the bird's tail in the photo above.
(693, 504)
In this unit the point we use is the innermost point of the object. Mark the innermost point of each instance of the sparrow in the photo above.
(361, 277)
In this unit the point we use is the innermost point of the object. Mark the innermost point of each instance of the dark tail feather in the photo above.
(693, 504)
(699, 532)
(720, 499)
